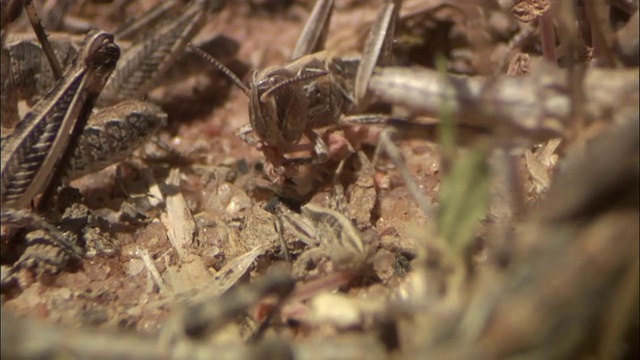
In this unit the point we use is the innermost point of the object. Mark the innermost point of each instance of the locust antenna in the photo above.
(220, 66)
(11, 10)
(34, 19)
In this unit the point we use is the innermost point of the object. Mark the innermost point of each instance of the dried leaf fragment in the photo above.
(530, 10)
(519, 64)
(178, 219)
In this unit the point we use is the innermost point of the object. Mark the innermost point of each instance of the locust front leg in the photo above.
(320, 149)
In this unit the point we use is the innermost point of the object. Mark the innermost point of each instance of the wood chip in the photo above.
(178, 220)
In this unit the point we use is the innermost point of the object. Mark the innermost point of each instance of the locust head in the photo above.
(278, 107)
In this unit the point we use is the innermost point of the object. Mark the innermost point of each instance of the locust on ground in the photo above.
(59, 139)
(316, 91)
(146, 59)
(290, 104)
(296, 108)
(31, 154)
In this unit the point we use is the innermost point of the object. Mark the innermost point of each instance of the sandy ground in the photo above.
(180, 220)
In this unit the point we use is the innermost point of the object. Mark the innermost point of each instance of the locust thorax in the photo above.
(278, 107)
(325, 93)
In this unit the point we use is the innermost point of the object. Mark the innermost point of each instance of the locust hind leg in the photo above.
(377, 48)
(378, 52)
(9, 95)
(46, 249)
(29, 220)
(385, 144)
(144, 65)
(315, 31)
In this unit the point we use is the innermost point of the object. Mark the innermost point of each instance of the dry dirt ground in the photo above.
(189, 224)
